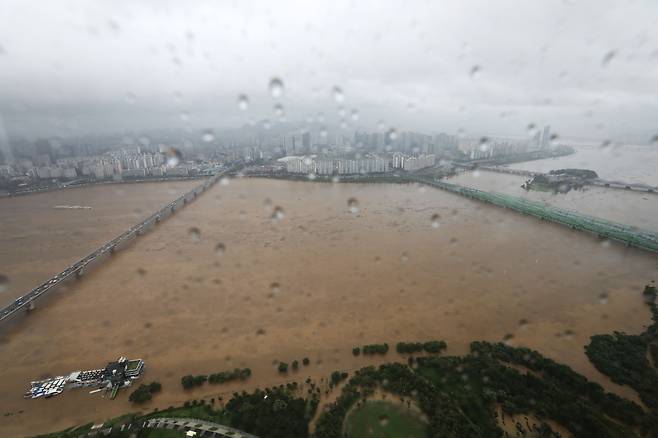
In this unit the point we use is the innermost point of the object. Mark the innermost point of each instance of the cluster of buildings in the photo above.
(480, 149)
(353, 166)
(116, 375)
(112, 165)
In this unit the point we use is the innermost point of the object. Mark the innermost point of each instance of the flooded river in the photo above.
(315, 282)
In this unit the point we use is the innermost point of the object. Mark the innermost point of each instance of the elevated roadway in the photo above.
(28, 301)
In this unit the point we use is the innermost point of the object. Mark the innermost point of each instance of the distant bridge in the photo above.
(594, 182)
(628, 235)
(28, 301)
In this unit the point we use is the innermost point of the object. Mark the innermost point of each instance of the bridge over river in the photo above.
(628, 235)
(77, 269)
(638, 187)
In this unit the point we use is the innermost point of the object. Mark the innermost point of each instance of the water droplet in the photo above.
(476, 174)
(195, 234)
(208, 136)
(475, 71)
(335, 179)
(224, 181)
(275, 288)
(507, 339)
(554, 139)
(654, 140)
(393, 134)
(353, 205)
(404, 257)
(381, 125)
(338, 94)
(220, 249)
(355, 115)
(435, 221)
(323, 132)
(603, 298)
(278, 110)
(523, 323)
(277, 214)
(532, 130)
(605, 144)
(608, 57)
(4, 283)
(174, 156)
(383, 420)
(243, 102)
(484, 144)
(341, 112)
(276, 87)
(311, 176)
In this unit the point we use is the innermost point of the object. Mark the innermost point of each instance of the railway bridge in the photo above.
(630, 236)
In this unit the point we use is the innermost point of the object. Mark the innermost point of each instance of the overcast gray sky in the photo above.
(587, 68)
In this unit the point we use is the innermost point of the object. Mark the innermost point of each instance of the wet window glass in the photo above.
(328, 219)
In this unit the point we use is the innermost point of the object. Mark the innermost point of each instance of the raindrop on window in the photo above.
(603, 298)
(435, 221)
(532, 130)
(338, 94)
(608, 57)
(276, 88)
(277, 214)
(654, 140)
(323, 132)
(381, 125)
(4, 283)
(220, 249)
(195, 234)
(224, 181)
(208, 136)
(243, 102)
(393, 134)
(484, 144)
(353, 205)
(278, 110)
(475, 71)
(174, 156)
(355, 115)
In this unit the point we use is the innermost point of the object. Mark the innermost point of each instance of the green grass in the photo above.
(380, 419)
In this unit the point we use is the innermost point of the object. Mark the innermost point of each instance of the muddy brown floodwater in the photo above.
(40, 236)
(383, 274)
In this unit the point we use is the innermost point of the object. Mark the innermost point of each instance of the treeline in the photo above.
(402, 348)
(416, 347)
(272, 413)
(144, 393)
(283, 366)
(623, 357)
(191, 381)
(371, 349)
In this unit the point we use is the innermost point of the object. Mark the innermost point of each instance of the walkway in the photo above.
(201, 427)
